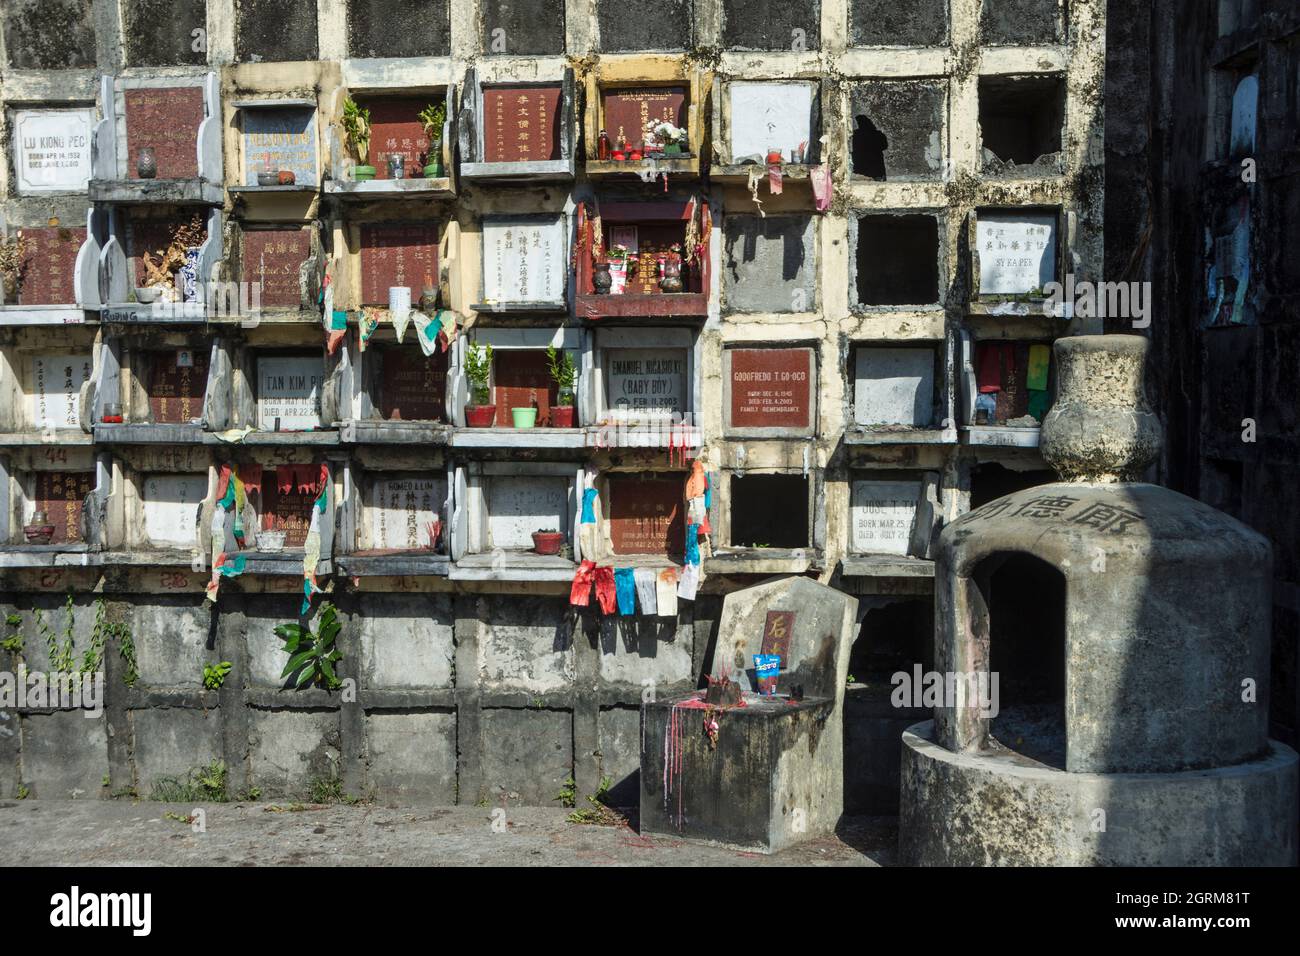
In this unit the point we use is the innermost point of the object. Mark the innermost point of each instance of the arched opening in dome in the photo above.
(1024, 606)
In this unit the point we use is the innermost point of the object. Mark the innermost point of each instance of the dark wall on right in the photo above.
(1203, 202)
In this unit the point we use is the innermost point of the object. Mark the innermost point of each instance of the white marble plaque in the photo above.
(894, 387)
(1017, 252)
(171, 508)
(524, 260)
(56, 382)
(288, 388)
(519, 506)
(52, 150)
(881, 513)
(770, 116)
(403, 509)
(645, 384)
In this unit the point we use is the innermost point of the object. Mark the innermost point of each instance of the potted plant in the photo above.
(548, 541)
(433, 117)
(671, 137)
(564, 373)
(356, 125)
(525, 416)
(480, 412)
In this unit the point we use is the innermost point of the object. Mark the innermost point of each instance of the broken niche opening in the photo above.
(897, 260)
(1021, 120)
(769, 511)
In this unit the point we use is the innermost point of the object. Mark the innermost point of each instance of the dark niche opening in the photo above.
(898, 260)
(1021, 118)
(769, 511)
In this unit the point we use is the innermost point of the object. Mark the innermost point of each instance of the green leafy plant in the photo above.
(104, 631)
(478, 369)
(205, 784)
(23, 792)
(59, 645)
(13, 643)
(568, 794)
(599, 812)
(312, 655)
(356, 124)
(214, 675)
(432, 118)
(564, 372)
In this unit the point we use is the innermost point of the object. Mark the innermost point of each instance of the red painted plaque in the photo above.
(777, 631)
(520, 123)
(61, 495)
(628, 110)
(771, 388)
(273, 257)
(395, 128)
(395, 255)
(522, 381)
(49, 261)
(177, 379)
(645, 515)
(413, 385)
(168, 120)
(289, 512)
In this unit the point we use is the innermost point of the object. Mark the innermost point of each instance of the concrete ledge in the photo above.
(538, 171)
(165, 191)
(886, 566)
(996, 808)
(374, 432)
(380, 188)
(323, 437)
(764, 561)
(43, 315)
(518, 438)
(401, 564)
(512, 567)
(1000, 435)
(49, 556)
(143, 434)
(865, 435)
(62, 436)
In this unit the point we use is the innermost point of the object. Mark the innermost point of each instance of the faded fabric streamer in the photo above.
(625, 587)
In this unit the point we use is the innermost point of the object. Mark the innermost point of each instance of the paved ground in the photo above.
(119, 832)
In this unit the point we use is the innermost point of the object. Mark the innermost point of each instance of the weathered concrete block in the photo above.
(760, 25)
(523, 27)
(266, 657)
(898, 129)
(380, 28)
(890, 23)
(624, 31)
(648, 651)
(411, 756)
(1022, 22)
(65, 754)
(406, 640)
(49, 34)
(873, 748)
(169, 742)
(523, 646)
(52, 611)
(288, 749)
(527, 754)
(620, 753)
(275, 30)
(10, 750)
(770, 264)
(171, 636)
(161, 32)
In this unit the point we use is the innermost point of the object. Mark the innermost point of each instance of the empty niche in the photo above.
(1021, 120)
(897, 260)
(897, 130)
(893, 638)
(762, 25)
(769, 511)
(381, 28)
(523, 27)
(275, 31)
(624, 29)
(990, 481)
(769, 264)
(894, 386)
(890, 23)
(1022, 22)
(159, 32)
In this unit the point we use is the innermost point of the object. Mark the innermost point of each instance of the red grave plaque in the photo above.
(395, 128)
(289, 512)
(628, 110)
(177, 379)
(168, 120)
(49, 263)
(61, 495)
(519, 123)
(413, 385)
(395, 255)
(645, 515)
(522, 379)
(771, 388)
(777, 630)
(273, 257)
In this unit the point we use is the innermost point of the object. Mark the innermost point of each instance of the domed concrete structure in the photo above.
(1124, 630)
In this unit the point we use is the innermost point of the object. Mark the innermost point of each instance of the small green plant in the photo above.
(179, 817)
(563, 372)
(214, 675)
(201, 785)
(59, 645)
(356, 124)
(125, 793)
(104, 631)
(568, 794)
(599, 812)
(478, 369)
(432, 118)
(249, 794)
(23, 792)
(13, 643)
(312, 655)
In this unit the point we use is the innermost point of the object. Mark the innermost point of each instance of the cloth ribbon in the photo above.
(605, 590)
(822, 185)
(625, 589)
(666, 592)
(645, 579)
(583, 578)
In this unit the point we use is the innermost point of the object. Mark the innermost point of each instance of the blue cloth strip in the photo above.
(625, 590)
(692, 544)
(588, 512)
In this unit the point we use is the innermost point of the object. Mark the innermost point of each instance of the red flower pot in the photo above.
(562, 416)
(480, 416)
(547, 542)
